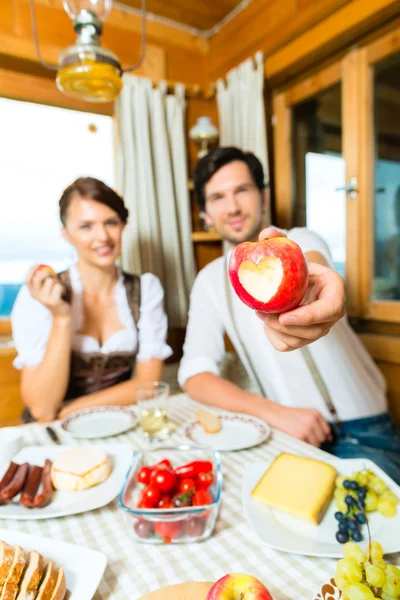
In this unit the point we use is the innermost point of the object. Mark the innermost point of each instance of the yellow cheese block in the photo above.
(193, 590)
(300, 486)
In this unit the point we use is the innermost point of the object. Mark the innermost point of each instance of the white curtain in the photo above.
(152, 178)
(241, 110)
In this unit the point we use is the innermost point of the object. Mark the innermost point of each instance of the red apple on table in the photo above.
(269, 276)
(238, 586)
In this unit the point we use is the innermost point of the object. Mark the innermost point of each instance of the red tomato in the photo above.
(143, 475)
(195, 526)
(168, 531)
(165, 502)
(149, 497)
(164, 479)
(201, 498)
(204, 480)
(187, 486)
(163, 464)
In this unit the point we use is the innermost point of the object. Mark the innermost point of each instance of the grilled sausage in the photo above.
(31, 486)
(44, 498)
(8, 475)
(16, 484)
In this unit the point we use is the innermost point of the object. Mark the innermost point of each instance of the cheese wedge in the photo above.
(80, 468)
(300, 486)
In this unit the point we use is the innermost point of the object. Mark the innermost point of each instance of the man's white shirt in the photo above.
(356, 386)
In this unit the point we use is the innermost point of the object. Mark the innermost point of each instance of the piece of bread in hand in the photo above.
(31, 577)
(193, 590)
(210, 423)
(80, 468)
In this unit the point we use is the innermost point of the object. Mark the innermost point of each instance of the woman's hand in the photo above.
(321, 308)
(48, 290)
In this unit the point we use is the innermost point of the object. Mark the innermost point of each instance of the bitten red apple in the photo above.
(238, 586)
(46, 268)
(270, 276)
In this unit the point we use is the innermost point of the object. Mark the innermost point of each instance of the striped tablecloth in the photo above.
(134, 569)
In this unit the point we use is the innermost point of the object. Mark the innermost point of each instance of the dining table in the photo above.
(135, 568)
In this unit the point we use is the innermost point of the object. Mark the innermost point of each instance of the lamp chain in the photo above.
(36, 39)
(143, 51)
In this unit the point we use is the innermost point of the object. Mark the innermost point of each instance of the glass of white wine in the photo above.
(152, 401)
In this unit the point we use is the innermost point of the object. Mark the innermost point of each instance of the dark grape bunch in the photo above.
(363, 492)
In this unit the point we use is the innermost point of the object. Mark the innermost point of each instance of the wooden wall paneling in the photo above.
(351, 153)
(283, 161)
(206, 252)
(201, 14)
(366, 185)
(6, 16)
(373, 53)
(341, 28)
(265, 25)
(391, 373)
(10, 399)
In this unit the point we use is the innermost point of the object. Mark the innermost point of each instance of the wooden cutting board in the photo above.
(193, 590)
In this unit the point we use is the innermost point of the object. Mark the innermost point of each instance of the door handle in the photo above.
(350, 189)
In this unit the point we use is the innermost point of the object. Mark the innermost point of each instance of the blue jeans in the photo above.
(376, 438)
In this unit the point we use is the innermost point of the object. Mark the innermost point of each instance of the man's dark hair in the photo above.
(213, 161)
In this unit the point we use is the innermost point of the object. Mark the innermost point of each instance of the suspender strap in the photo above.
(249, 366)
(319, 382)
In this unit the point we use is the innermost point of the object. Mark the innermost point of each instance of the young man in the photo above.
(330, 394)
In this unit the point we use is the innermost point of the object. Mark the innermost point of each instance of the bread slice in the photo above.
(11, 584)
(6, 560)
(61, 586)
(48, 583)
(32, 577)
(211, 423)
(80, 468)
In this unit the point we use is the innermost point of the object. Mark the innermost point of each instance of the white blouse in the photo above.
(32, 321)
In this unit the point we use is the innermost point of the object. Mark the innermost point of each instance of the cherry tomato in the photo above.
(195, 526)
(194, 468)
(204, 480)
(187, 486)
(143, 475)
(168, 531)
(181, 500)
(201, 498)
(149, 497)
(143, 528)
(163, 464)
(165, 479)
(165, 502)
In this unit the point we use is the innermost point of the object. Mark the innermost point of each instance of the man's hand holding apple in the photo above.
(321, 307)
(47, 289)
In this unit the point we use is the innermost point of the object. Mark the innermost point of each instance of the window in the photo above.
(42, 150)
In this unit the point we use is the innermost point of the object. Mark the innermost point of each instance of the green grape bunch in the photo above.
(366, 577)
(363, 492)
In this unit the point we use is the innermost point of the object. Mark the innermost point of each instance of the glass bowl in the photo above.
(170, 525)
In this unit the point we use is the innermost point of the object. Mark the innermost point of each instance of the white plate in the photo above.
(102, 421)
(283, 532)
(69, 503)
(237, 433)
(83, 567)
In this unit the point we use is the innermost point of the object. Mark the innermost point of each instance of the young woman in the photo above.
(82, 334)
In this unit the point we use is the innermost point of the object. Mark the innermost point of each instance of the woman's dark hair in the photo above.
(92, 189)
(215, 160)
